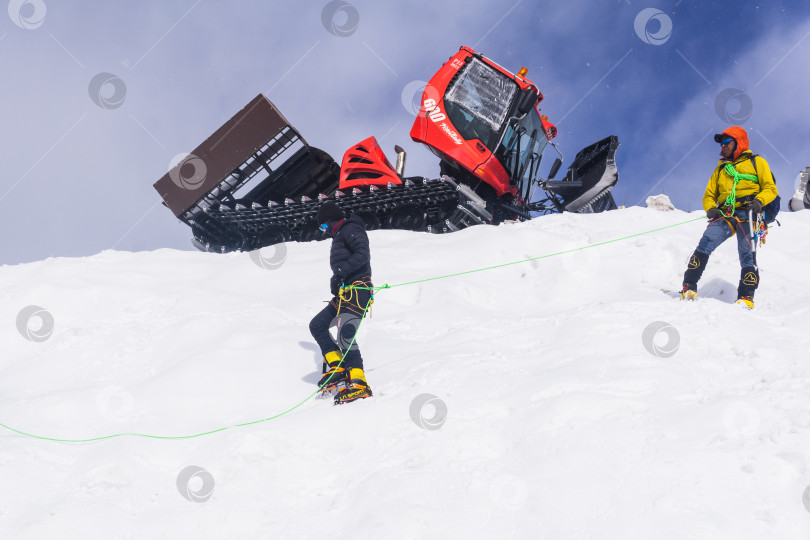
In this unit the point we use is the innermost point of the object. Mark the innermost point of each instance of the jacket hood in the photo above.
(738, 134)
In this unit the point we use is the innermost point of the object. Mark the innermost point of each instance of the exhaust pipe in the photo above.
(400, 160)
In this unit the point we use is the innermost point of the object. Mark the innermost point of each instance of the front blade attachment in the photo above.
(593, 173)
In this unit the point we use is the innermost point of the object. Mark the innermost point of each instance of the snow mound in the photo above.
(660, 202)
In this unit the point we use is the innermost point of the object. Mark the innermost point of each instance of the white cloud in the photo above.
(772, 72)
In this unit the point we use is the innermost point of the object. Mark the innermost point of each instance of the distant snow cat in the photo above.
(256, 182)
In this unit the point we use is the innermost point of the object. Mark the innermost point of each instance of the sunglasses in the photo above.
(323, 227)
(726, 141)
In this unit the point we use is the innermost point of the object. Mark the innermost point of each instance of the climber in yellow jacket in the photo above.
(741, 182)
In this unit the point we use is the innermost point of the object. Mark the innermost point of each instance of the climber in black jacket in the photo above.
(351, 288)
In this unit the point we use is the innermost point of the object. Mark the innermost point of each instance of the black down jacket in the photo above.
(350, 257)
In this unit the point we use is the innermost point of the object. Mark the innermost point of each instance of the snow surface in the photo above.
(560, 422)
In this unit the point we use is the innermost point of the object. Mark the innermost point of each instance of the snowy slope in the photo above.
(560, 423)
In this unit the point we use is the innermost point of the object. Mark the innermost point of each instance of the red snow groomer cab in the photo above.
(480, 120)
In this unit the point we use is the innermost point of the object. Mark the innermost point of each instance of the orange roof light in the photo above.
(523, 72)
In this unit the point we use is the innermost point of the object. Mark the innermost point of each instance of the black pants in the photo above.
(347, 323)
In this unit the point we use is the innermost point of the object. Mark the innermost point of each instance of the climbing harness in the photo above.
(351, 296)
(759, 228)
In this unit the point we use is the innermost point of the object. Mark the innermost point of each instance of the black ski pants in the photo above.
(347, 323)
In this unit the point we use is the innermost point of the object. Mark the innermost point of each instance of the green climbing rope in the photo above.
(732, 197)
(385, 286)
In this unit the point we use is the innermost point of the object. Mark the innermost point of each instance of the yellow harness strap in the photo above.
(347, 294)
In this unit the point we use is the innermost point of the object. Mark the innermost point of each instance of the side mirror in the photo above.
(554, 168)
(526, 101)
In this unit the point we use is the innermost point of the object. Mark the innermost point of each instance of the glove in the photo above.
(756, 206)
(334, 285)
(713, 214)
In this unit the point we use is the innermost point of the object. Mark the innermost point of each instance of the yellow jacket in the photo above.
(721, 182)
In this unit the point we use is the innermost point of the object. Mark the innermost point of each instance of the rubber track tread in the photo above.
(298, 218)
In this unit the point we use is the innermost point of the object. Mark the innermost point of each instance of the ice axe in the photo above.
(753, 231)
(754, 236)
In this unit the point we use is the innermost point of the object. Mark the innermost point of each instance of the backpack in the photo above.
(770, 210)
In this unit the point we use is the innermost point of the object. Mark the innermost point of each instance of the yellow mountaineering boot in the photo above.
(688, 293)
(746, 302)
(356, 388)
(336, 374)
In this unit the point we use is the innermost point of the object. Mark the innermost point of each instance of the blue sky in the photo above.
(76, 176)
